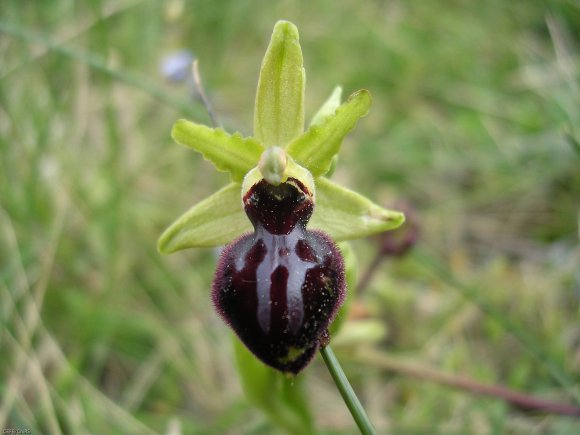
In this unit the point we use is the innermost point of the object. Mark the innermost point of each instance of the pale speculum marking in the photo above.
(282, 254)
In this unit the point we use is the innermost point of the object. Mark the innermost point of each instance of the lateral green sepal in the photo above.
(215, 221)
(346, 215)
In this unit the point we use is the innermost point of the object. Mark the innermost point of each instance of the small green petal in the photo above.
(279, 108)
(215, 221)
(328, 108)
(315, 149)
(228, 153)
(346, 215)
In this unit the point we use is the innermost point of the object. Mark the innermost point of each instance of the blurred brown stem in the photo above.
(521, 400)
(365, 280)
(201, 91)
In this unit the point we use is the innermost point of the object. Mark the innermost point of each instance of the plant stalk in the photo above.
(349, 396)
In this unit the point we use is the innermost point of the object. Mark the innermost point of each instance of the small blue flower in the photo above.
(176, 67)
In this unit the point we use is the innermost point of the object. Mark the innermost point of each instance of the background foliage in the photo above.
(475, 122)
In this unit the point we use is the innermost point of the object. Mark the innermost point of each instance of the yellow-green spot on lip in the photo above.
(293, 354)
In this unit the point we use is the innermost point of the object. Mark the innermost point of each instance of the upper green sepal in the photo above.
(315, 149)
(279, 107)
(215, 221)
(229, 153)
(345, 214)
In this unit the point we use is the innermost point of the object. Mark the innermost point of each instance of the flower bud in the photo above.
(398, 242)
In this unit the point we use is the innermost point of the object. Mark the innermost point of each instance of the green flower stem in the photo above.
(354, 406)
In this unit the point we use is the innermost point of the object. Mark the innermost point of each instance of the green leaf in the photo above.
(215, 221)
(279, 109)
(228, 153)
(345, 214)
(315, 149)
(281, 398)
(256, 378)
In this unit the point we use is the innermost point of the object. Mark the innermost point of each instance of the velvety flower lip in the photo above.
(280, 287)
(307, 155)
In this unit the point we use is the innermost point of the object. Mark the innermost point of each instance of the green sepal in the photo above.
(279, 107)
(315, 149)
(215, 221)
(345, 214)
(229, 153)
(282, 398)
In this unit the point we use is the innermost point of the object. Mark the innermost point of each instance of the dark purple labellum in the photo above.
(280, 287)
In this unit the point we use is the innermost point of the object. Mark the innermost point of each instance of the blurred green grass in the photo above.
(475, 121)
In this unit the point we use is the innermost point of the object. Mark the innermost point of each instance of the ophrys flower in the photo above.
(279, 286)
